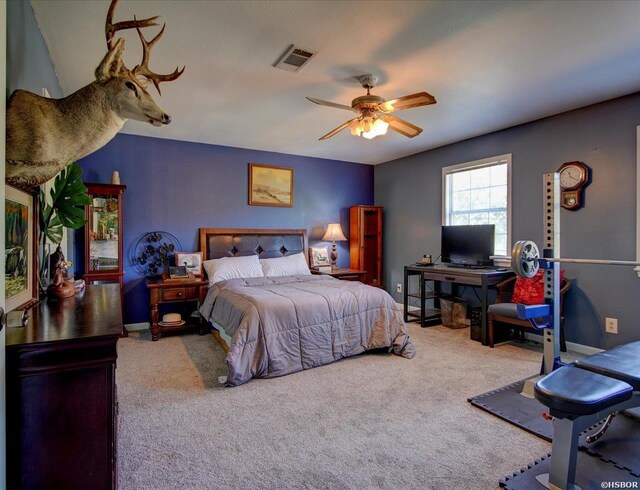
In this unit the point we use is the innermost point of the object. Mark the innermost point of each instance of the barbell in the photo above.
(525, 259)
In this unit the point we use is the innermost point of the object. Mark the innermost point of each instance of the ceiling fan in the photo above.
(373, 112)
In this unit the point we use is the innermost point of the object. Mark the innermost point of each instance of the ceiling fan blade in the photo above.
(401, 126)
(331, 104)
(337, 130)
(407, 102)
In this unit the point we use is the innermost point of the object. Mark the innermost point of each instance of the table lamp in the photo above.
(334, 232)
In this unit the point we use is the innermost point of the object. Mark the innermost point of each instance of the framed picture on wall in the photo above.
(270, 185)
(21, 276)
(319, 256)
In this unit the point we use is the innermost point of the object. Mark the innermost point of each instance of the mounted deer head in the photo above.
(45, 135)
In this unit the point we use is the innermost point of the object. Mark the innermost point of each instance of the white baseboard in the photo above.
(572, 346)
(411, 308)
(132, 327)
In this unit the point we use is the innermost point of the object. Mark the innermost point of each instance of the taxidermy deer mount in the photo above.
(45, 135)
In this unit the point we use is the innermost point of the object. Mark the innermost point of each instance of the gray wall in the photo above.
(29, 65)
(604, 137)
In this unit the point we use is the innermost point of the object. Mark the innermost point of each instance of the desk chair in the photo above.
(505, 292)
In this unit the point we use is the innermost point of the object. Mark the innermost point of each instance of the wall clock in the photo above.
(574, 177)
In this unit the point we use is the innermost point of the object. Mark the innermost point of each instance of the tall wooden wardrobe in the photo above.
(365, 237)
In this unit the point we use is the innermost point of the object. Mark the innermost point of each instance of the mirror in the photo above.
(103, 234)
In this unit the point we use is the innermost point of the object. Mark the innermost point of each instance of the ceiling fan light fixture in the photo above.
(373, 112)
(354, 127)
(369, 128)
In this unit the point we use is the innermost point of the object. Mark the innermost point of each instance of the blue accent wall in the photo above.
(604, 137)
(178, 187)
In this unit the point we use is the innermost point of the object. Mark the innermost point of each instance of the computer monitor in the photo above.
(468, 244)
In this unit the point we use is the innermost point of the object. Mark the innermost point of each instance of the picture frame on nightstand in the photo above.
(319, 257)
(191, 260)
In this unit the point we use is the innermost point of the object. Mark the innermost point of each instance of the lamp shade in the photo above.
(334, 233)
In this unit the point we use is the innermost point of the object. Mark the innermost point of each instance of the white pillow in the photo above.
(289, 265)
(232, 268)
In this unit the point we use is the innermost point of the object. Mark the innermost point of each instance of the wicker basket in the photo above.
(453, 312)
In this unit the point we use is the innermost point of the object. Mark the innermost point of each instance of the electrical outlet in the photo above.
(611, 325)
(398, 288)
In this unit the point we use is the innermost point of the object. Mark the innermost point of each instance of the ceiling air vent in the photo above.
(295, 58)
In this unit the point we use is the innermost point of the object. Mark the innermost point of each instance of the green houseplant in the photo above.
(68, 197)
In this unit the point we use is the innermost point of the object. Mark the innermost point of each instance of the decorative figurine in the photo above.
(61, 287)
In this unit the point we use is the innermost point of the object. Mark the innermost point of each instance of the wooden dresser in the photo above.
(61, 393)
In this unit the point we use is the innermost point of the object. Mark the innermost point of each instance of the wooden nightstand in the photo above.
(344, 274)
(175, 292)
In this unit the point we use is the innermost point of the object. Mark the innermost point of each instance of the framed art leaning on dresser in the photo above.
(20, 240)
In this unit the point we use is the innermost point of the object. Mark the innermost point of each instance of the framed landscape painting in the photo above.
(19, 236)
(270, 185)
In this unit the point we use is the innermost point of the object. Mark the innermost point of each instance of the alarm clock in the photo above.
(574, 177)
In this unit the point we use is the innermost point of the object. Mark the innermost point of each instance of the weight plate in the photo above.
(524, 258)
(515, 257)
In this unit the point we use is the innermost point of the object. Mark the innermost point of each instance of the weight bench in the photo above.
(578, 396)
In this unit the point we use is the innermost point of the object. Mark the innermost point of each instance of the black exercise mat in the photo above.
(619, 445)
(508, 404)
(591, 473)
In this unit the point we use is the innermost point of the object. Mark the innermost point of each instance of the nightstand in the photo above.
(162, 292)
(344, 274)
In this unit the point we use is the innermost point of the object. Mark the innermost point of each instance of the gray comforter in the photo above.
(281, 325)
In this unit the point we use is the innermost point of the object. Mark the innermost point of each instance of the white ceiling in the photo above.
(490, 65)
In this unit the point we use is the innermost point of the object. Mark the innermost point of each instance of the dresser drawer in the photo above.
(178, 294)
(351, 277)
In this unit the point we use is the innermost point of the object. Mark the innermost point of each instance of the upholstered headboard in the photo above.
(224, 242)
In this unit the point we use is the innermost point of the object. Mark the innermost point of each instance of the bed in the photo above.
(281, 324)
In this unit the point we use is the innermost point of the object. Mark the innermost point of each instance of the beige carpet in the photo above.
(373, 421)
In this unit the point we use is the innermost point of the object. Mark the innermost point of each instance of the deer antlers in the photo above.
(143, 68)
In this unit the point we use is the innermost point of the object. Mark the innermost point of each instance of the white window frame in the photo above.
(482, 163)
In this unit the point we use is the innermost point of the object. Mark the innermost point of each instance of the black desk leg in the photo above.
(406, 295)
(483, 324)
(423, 313)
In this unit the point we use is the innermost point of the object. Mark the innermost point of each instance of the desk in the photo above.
(482, 278)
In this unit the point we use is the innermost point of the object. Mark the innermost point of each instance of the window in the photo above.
(479, 193)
